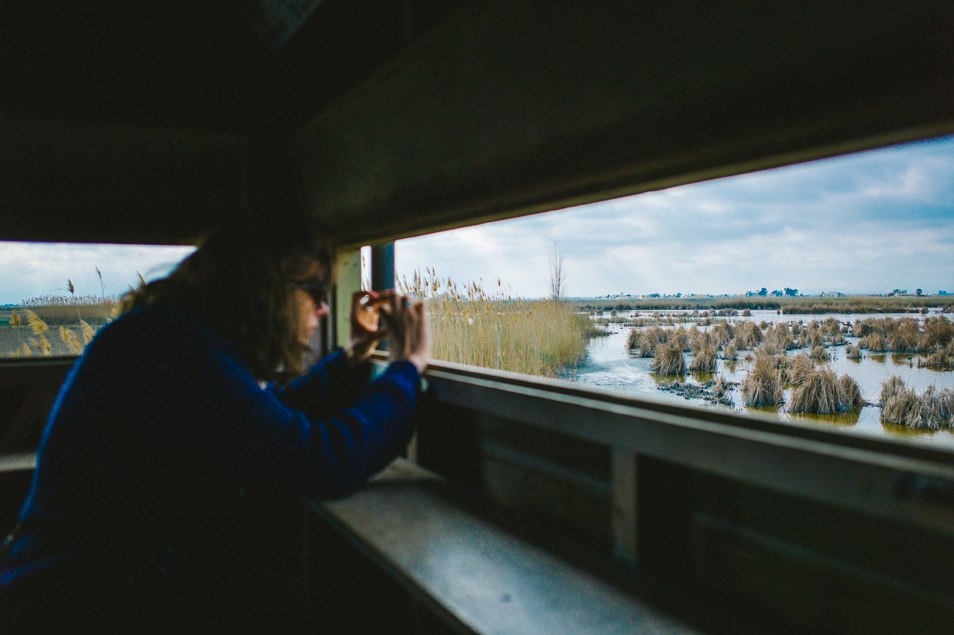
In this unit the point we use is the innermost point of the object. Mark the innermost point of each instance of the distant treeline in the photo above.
(787, 305)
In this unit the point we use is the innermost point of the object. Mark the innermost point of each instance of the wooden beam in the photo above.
(875, 476)
(518, 107)
(624, 488)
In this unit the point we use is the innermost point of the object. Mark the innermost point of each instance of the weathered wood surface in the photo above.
(489, 580)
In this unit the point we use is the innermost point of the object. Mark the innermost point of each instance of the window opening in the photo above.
(820, 294)
(55, 296)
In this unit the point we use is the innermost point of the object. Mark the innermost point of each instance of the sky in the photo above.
(29, 270)
(864, 223)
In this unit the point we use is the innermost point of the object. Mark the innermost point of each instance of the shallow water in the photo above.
(609, 365)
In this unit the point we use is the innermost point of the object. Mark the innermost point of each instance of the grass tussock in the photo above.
(799, 368)
(722, 333)
(491, 329)
(905, 335)
(850, 392)
(646, 340)
(939, 360)
(669, 360)
(762, 385)
(704, 360)
(748, 336)
(821, 391)
(902, 406)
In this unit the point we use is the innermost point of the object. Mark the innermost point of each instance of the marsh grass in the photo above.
(470, 325)
(902, 406)
(668, 359)
(939, 360)
(762, 385)
(748, 336)
(800, 305)
(850, 391)
(70, 309)
(821, 391)
(646, 340)
(704, 360)
(71, 340)
(799, 368)
(905, 335)
(31, 336)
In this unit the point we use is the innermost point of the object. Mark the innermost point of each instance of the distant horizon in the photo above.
(941, 293)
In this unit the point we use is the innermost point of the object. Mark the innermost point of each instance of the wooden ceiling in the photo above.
(149, 122)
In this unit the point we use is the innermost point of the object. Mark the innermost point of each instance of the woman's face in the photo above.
(310, 302)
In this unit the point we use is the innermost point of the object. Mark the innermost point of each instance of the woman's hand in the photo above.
(363, 340)
(410, 338)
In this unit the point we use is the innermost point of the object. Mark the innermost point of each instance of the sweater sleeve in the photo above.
(201, 419)
(259, 438)
(328, 386)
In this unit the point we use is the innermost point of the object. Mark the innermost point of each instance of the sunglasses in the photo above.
(318, 291)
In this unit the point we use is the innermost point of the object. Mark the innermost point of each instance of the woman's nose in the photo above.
(322, 310)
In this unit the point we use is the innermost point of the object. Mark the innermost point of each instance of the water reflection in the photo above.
(901, 359)
(843, 419)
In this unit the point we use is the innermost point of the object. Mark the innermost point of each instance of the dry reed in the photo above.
(939, 360)
(669, 360)
(492, 330)
(902, 406)
(748, 335)
(704, 360)
(763, 383)
(822, 392)
(71, 340)
(798, 370)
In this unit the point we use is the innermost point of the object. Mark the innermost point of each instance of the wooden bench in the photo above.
(434, 557)
(16, 472)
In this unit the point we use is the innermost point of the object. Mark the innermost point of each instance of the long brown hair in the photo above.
(236, 281)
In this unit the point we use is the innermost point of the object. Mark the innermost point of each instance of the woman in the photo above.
(163, 448)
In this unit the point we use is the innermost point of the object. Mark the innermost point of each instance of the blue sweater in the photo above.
(160, 429)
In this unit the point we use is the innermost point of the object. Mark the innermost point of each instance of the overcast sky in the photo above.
(29, 270)
(868, 222)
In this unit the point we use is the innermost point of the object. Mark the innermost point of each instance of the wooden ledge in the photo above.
(487, 579)
(25, 461)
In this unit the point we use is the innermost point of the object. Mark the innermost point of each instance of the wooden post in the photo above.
(624, 493)
(349, 281)
(382, 266)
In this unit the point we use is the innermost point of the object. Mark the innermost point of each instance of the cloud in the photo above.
(867, 222)
(36, 269)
